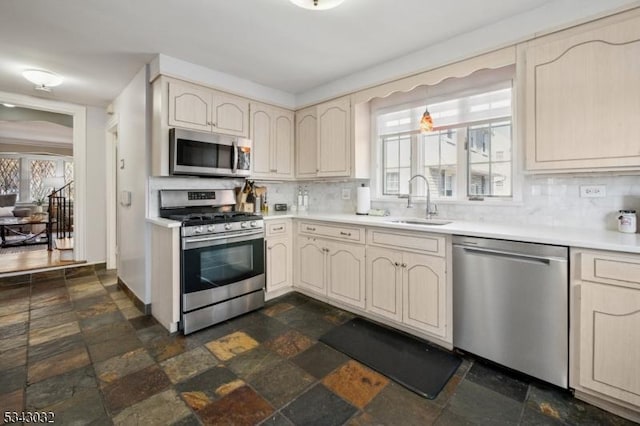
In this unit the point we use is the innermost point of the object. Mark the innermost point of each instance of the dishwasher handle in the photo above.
(510, 255)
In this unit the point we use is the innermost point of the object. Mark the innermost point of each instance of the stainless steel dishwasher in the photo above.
(510, 305)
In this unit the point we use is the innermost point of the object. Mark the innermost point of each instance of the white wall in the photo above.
(96, 186)
(131, 109)
(547, 201)
(551, 16)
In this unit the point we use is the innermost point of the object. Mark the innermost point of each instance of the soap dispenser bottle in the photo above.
(300, 199)
(305, 198)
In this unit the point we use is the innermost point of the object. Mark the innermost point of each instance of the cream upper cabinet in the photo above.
(307, 143)
(384, 282)
(346, 272)
(272, 131)
(605, 337)
(334, 138)
(581, 97)
(230, 115)
(200, 108)
(189, 106)
(323, 140)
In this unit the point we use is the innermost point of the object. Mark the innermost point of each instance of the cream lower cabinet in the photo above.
(310, 267)
(384, 282)
(331, 268)
(408, 287)
(606, 352)
(279, 256)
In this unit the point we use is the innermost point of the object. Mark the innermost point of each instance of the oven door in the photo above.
(220, 267)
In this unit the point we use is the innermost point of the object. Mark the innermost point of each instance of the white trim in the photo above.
(79, 114)
(111, 131)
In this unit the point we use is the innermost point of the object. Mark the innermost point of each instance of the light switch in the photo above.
(346, 193)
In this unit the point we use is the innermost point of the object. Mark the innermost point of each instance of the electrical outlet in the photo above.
(346, 193)
(593, 191)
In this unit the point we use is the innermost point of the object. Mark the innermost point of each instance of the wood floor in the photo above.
(30, 260)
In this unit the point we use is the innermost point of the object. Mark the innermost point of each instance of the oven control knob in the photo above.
(254, 223)
(227, 226)
(211, 228)
(244, 225)
(198, 230)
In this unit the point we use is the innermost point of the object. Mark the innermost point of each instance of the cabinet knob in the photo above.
(269, 248)
(213, 124)
(397, 264)
(404, 265)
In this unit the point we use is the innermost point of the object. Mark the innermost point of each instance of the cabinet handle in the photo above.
(310, 229)
(348, 234)
(280, 228)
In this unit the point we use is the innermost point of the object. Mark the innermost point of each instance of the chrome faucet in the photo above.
(431, 210)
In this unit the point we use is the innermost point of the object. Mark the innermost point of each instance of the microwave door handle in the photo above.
(235, 157)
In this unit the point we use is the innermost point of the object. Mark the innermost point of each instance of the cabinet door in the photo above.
(230, 115)
(610, 340)
(346, 273)
(261, 138)
(283, 131)
(279, 265)
(334, 136)
(306, 143)
(189, 106)
(424, 293)
(384, 283)
(311, 265)
(582, 98)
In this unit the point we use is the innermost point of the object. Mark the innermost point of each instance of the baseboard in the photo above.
(145, 308)
(277, 293)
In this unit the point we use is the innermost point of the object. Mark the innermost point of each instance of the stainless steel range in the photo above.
(222, 256)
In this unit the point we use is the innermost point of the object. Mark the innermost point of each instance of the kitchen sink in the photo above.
(420, 221)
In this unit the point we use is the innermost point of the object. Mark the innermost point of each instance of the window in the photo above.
(468, 155)
(9, 175)
(27, 175)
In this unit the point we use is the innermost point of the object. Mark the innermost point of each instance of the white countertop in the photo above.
(573, 237)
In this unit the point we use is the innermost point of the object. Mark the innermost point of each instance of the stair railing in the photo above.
(60, 223)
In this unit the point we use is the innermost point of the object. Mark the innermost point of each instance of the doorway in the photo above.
(77, 168)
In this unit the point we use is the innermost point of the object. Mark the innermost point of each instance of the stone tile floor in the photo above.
(75, 345)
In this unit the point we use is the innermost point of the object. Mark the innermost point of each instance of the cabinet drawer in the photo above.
(276, 228)
(346, 233)
(600, 267)
(413, 241)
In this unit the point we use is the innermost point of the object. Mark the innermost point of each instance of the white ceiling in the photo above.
(99, 45)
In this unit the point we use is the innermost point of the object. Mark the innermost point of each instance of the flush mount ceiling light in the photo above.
(44, 80)
(9, 105)
(317, 4)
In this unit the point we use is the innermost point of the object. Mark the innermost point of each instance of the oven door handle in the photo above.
(192, 243)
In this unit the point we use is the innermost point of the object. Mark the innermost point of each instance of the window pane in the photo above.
(396, 164)
(40, 169)
(489, 159)
(439, 163)
(68, 172)
(9, 176)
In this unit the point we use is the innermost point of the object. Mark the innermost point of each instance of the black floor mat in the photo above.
(416, 365)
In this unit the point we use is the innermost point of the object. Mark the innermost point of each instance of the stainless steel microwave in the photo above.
(208, 154)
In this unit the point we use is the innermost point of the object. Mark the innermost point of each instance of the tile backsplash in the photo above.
(552, 201)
